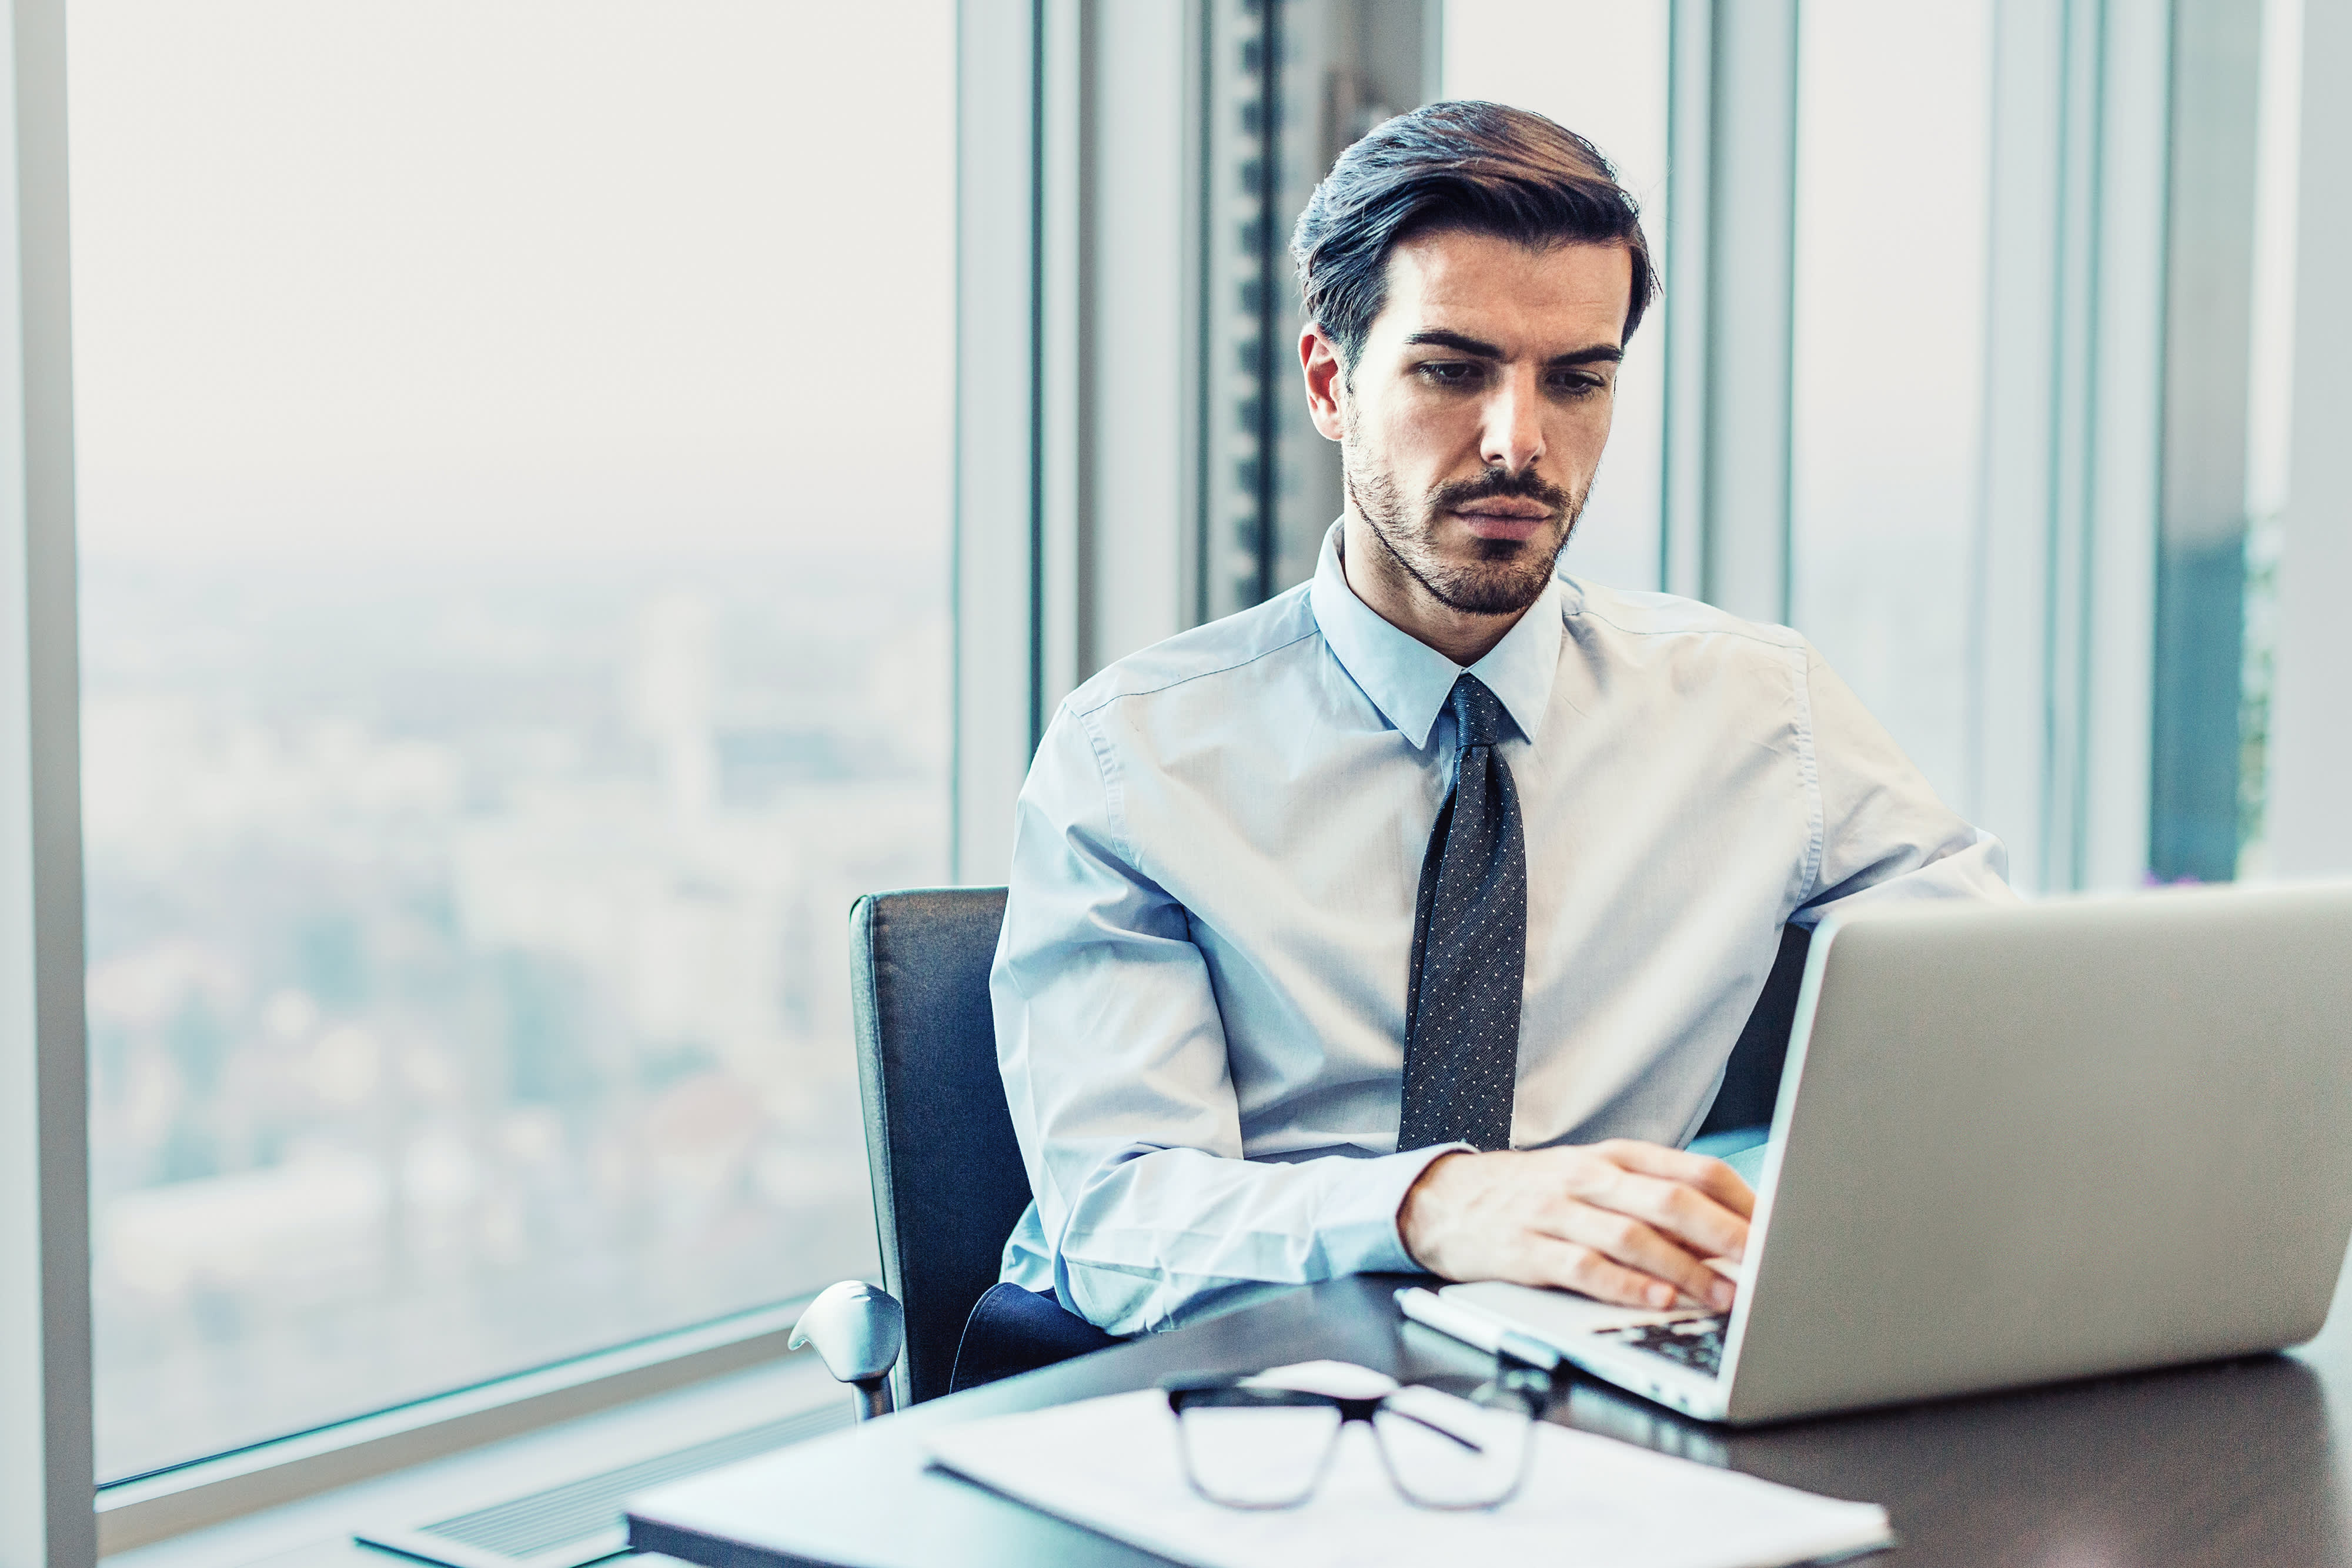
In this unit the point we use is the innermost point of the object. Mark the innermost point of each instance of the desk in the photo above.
(2227, 1464)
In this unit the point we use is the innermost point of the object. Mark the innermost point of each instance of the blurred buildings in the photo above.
(467, 963)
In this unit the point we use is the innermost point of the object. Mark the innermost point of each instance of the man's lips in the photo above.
(1504, 519)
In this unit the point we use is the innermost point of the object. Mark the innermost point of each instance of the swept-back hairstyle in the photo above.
(1483, 167)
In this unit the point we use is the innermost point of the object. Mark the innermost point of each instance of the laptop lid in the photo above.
(2022, 1144)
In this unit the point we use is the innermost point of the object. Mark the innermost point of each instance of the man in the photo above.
(1407, 920)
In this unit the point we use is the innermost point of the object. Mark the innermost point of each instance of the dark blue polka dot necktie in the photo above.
(1469, 947)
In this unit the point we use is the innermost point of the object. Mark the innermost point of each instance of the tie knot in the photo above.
(1477, 714)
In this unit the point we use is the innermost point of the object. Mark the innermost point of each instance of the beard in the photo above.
(1505, 575)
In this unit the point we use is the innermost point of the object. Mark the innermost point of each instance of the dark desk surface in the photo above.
(2234, 1463)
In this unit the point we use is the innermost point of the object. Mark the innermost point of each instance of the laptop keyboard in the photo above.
(1694, 1343)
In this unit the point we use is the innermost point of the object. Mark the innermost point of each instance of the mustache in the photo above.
(1495, 483)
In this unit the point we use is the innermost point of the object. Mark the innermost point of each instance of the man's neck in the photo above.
(1375, 576)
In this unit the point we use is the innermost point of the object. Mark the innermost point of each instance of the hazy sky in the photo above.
(427, 276)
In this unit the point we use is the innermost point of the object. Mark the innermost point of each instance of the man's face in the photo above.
(1474, 422)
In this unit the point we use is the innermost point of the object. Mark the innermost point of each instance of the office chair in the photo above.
(949, 1184)
(948, 1180)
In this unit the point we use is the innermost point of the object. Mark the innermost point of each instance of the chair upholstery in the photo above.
(1751, 1080)
(1014, 1331)
(949, 1184)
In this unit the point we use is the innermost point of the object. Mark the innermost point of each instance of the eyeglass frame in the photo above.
(1529, 1384)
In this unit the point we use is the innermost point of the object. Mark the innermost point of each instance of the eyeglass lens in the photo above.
(1248, 1455)
(1444, 1452)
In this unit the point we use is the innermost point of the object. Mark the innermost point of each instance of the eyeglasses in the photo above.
(1258, 1448)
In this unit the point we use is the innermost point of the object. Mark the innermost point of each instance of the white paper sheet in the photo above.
(1112, 1466)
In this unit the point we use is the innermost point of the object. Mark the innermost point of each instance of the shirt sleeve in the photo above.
(1116, 1073)
(1883, 833)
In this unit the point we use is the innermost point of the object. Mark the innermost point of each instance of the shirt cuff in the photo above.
(1358, 1223)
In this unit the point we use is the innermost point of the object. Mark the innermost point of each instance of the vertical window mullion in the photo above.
(46, 1468)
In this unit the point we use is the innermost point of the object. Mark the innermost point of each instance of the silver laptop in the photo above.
(2020, 1144)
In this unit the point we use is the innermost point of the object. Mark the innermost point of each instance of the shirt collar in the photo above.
(1409, 681)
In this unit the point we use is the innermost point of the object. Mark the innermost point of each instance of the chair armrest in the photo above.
(858, 1330)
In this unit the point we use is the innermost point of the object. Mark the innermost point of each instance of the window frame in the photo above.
(46, 1450)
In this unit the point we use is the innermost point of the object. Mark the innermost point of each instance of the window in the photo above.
(514, 446)
(1893, 135)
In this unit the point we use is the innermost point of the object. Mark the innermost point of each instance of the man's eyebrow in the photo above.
(1598, 354)
(1443, 338)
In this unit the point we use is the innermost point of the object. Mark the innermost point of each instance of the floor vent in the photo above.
(566, 1526)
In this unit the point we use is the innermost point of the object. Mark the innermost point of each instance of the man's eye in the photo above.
(1577, 385)
(1450, 372)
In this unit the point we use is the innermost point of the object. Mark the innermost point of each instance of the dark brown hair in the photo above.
(1483, 167)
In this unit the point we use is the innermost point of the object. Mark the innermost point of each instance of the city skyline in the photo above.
(479, 1032)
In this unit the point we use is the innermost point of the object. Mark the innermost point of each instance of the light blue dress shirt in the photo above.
(1199, 988)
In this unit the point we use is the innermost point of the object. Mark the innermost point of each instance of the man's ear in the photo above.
(1319, 357)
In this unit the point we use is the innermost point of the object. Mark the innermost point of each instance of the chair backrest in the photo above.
(949, 1184)
(1751, 1079)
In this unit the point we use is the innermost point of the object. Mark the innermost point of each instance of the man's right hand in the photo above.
(1624, 1221)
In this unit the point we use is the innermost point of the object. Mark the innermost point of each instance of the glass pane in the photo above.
(1598, 67)
(1894, 137)
(514, 448)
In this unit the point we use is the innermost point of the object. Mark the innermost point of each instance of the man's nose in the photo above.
(1512, 439)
